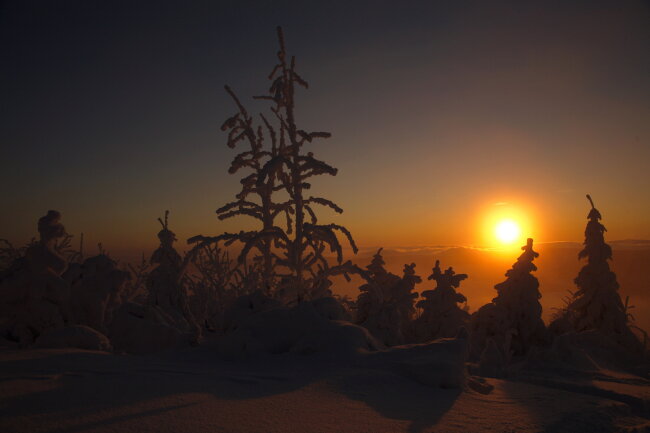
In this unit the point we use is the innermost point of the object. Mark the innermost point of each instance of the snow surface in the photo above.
(194, 390)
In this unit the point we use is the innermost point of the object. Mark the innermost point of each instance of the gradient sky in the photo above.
(442, 113)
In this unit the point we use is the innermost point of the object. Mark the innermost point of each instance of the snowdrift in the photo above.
(260, 326)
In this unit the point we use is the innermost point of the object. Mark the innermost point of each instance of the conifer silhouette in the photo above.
(385, 305)
(375, 291)
(165, 282)
(519, 295)
(280, 165)
(441, 316)
(404, 296)
(597, 305)
(514, 317)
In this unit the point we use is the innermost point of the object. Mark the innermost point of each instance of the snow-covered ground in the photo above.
(193, 390)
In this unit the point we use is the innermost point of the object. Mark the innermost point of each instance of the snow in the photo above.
(193, 390)
(77, 336)
(306, 328)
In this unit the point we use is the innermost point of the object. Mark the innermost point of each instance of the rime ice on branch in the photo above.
(441, 316)
(292, 255)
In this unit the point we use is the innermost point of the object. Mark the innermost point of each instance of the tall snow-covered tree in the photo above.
(293, 254)
(597, 305)
(514, 317)
(441, 315)
(519, 295)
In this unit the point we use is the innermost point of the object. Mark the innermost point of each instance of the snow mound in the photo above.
(492, 362)
(306, 328)
(78, 336)
(330, 308)
(590, 350)
(140, 329)
(439, 364)
(246, 306)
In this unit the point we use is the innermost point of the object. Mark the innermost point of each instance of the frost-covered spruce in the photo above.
(372, 297)
(34, 296)
(385, 304)
(519, 295)
(597, 305)
(404, 296)
(441, 315)
(164, 283)
(291, 243)
(514, 318)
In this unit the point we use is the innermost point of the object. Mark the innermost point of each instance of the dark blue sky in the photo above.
(111, 111)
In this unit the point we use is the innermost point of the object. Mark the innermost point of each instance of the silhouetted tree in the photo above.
(281, 165)
(34, 297)
(375, 290)
(514, 318)
(441, 316)
(136, 289)
(404, 296)
(260, 184)
(210, 284)
(165, 282)
(597, 305)
(385, 305)
(519, 295)
(10, 257)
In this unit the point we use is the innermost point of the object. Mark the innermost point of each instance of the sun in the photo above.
(503, 224)
(507, 231)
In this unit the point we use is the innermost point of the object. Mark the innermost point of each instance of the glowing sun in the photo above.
(507, 231)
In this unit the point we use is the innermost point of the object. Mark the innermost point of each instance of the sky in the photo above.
(445, 116)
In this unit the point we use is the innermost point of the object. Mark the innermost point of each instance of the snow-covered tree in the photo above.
(441, 315)
(374, 293)
(34, 297)
(165, 282)
(597, 305)
(514, 318)
(519, 295)
(404, 296)
(294, 254)
(385, 305)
